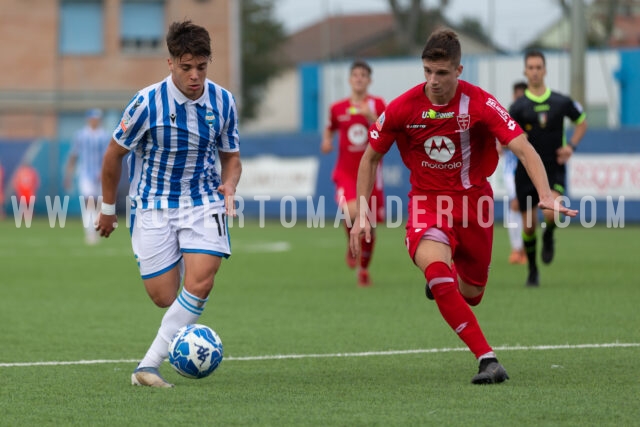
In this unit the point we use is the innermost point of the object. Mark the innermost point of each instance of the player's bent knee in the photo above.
(471, 293)
(163, 301)
(200, 289)
(162, 290)
(474, 300)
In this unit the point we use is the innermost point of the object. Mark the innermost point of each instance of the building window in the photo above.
(142, 25)
(81, 27)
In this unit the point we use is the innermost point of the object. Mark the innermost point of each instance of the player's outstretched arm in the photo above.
(366, 179)
(68, 172)
(327, 141)
(111, 171)
(521, 147)
(231, 170)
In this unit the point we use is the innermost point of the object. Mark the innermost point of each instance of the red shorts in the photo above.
(346, 192)
(467, 221)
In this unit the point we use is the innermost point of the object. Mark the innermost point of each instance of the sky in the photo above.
(515, 22)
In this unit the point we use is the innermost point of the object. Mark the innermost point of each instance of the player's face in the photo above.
(359, 79)
(442, 80)
(188, 74)
(534, 71)
(94, 122)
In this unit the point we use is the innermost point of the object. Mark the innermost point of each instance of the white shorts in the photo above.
(89, 187)
(159, 237)
(509, 178)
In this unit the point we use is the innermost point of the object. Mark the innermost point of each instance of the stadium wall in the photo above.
(285, 176)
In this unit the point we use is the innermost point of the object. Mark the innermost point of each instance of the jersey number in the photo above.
(219, 218)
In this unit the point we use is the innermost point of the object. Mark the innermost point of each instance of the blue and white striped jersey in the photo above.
(174, 142)
(510, 161)
(89, 146)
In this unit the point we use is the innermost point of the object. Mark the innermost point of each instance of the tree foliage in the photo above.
(473, 27)
(262, 37)
(415, 22)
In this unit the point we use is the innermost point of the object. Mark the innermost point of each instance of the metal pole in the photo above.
(235, 49)
(491, 21)
(578, 47)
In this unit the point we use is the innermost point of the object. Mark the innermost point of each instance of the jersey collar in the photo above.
(539, 99)
(181, 98)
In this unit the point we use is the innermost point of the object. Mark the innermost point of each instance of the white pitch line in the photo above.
(334, 355)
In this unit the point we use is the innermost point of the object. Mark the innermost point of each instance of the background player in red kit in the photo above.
(351, 117)
(445, 130)
(26, 181)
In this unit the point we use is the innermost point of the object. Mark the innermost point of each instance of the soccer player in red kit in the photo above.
(445, 130)
(26, 181)
(351, 118)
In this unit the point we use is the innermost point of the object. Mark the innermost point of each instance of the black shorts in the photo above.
(526, 192)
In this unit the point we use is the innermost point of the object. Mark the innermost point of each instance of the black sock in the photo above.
(550, 226)
(530, 243)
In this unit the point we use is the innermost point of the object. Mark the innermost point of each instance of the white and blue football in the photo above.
(195, 351)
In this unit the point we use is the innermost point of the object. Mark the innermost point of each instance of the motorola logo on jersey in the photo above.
(440, 148)
(357, 134)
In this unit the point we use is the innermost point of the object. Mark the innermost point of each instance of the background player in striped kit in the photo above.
(541, 113)
(174, 130)
(514, 217)
(89, 146)
(350, 118)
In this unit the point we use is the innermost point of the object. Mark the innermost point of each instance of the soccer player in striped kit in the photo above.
(514, 217)
(351, 118)
(87, 151)
(445, 130)
(173, 131)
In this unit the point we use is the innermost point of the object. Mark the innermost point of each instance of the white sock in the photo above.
(90, 234)
(490, 355)
(186, 309)
(515, 233)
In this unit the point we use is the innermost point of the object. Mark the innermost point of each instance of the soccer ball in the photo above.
(195, 351)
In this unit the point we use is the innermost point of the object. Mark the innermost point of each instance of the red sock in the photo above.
(454, 309)
(366, 250)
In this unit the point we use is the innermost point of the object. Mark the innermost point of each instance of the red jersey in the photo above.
(448, 148)
(26, 182)
(352, 128)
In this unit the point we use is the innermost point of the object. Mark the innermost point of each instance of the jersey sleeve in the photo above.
(134, 122)
(498, 121)
(382, 132)
(332, 120)
(228, 140)
(574, 111)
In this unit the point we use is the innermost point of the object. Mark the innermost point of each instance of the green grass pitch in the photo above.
(351, 356)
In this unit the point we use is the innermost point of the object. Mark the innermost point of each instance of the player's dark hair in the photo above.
(535, 54)
(359, 63)
(187, 38)
(521, 85)
(443, 44)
